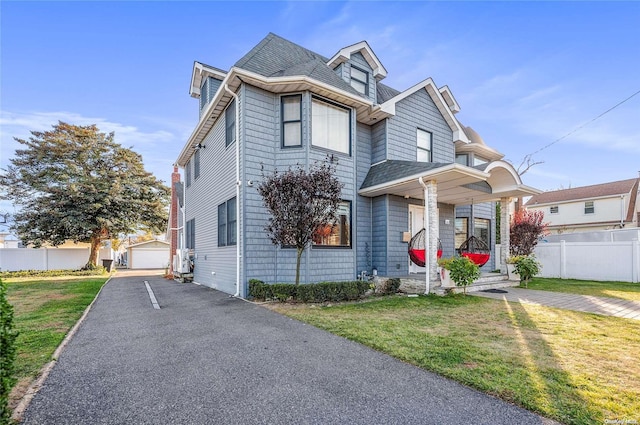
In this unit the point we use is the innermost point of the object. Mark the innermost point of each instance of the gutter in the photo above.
(238, 238)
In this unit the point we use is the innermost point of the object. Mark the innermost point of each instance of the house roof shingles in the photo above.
(622, 187)
(275, 56)
(585, 192)
(391, 170)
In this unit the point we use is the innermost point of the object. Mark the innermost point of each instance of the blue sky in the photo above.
(524, 73)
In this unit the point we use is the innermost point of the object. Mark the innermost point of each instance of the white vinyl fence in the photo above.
(606, 261)
(15, 259)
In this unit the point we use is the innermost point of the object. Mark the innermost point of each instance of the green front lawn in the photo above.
(45, 309)
(623, 290)
(574, 367)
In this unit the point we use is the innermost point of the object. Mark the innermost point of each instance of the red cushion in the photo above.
(417, 256)
(479, 259)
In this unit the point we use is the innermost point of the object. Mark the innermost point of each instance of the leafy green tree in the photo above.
(300, 203)
(7, 354)
(75, 183)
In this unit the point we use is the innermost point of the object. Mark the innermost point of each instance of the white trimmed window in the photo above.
(554, 209)
(291, 121)
(589, 208)
(330, 126)
(423, 146)
(360, 80)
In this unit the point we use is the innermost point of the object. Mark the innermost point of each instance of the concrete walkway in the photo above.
(205, 358)
(585, 303)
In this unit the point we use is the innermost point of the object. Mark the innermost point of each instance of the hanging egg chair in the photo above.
(475, 250)
(417, 252)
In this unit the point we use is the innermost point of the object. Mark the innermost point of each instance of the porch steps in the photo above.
(411, 285)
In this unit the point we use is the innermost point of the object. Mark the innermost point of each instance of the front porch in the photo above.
(415, 284)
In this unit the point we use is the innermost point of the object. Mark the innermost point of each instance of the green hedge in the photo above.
(309, 293)
(53, 273)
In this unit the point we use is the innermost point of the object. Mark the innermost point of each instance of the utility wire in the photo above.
(583, 125)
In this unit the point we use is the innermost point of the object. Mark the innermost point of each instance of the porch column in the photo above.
(433, 228)
(505, 223)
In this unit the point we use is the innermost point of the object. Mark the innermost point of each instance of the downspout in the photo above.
(426, 239)
(622, 215)
(238, 220)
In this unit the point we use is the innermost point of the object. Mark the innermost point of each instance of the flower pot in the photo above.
(445, 278)
(511, 272)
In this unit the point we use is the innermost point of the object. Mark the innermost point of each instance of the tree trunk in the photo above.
(93, 255)
(300, 251)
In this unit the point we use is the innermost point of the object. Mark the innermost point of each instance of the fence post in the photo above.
(635, 261)
(563, 260)
(45, 252)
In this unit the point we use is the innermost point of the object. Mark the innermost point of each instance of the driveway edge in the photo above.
(35, 386)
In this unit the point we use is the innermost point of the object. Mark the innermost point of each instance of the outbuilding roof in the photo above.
(616, 188)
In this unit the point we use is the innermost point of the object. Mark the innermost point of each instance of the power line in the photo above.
(584, 125)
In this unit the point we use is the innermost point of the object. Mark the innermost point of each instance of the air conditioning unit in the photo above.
(181, 261)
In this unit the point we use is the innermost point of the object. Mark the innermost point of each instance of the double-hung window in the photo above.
(230, 123)
(190, 234)
(589, 208)
(291, 121)
(462, 231)
(360, 80)
(423, 146)
(196, 164)
(227, 219)
(187, 172)
(330, 126)
(336, 233)
(554, 209)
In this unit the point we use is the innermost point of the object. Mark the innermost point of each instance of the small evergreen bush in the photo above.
(7, 354)
(308, 293)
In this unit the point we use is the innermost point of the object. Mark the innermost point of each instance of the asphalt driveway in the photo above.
(206, 358)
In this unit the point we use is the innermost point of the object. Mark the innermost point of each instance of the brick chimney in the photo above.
(175, 210)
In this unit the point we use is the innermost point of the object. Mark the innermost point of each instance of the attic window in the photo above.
(554, 209)
(360, 80)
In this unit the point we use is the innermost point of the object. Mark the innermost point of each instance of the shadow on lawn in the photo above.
(550, 384)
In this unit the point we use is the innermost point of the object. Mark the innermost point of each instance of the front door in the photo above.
(416, 223)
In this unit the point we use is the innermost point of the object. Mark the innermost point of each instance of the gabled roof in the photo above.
(617, 188)
(390, 170)
(275, 56)
(200, 72)
(379, 71)
(384, 92)
(135, 245)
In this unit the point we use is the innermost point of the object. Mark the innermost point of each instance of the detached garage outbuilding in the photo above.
(148, 255)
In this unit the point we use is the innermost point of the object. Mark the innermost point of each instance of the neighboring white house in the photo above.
(605, 206)
(148, 255)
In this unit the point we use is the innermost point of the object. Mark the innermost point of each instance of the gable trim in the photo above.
(458, 133)
(379, 71)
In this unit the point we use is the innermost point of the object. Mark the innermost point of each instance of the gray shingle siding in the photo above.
(215, 185)
(379, 225)
(361, 63)
(418, 111)
(379, 142)
(363, 205)
(263, 148)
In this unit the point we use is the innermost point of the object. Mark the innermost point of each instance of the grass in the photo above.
(574, 367)
(622, 290)
(45, 309)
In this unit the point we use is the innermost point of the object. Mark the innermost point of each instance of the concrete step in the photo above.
(412, 285)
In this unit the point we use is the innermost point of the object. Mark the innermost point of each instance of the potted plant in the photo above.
(460, 270)
(511, 268)
(527, 266)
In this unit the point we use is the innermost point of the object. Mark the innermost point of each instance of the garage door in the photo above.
(149, 258)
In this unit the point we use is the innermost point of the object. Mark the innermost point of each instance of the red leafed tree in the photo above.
(527, 228)
(300, 203)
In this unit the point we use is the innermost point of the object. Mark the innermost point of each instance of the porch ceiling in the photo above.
(456, 184)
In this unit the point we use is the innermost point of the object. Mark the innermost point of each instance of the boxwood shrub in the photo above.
(308, 293)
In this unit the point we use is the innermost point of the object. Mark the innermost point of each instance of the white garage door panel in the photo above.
(149, 258)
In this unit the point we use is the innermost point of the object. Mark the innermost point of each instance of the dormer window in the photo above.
(360, 80)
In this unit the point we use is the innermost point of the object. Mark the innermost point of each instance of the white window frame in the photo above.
(321, 127)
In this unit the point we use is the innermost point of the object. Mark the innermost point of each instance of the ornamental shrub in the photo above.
(7, 354)
(527, 266)
(462, 270)
(308, 293)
